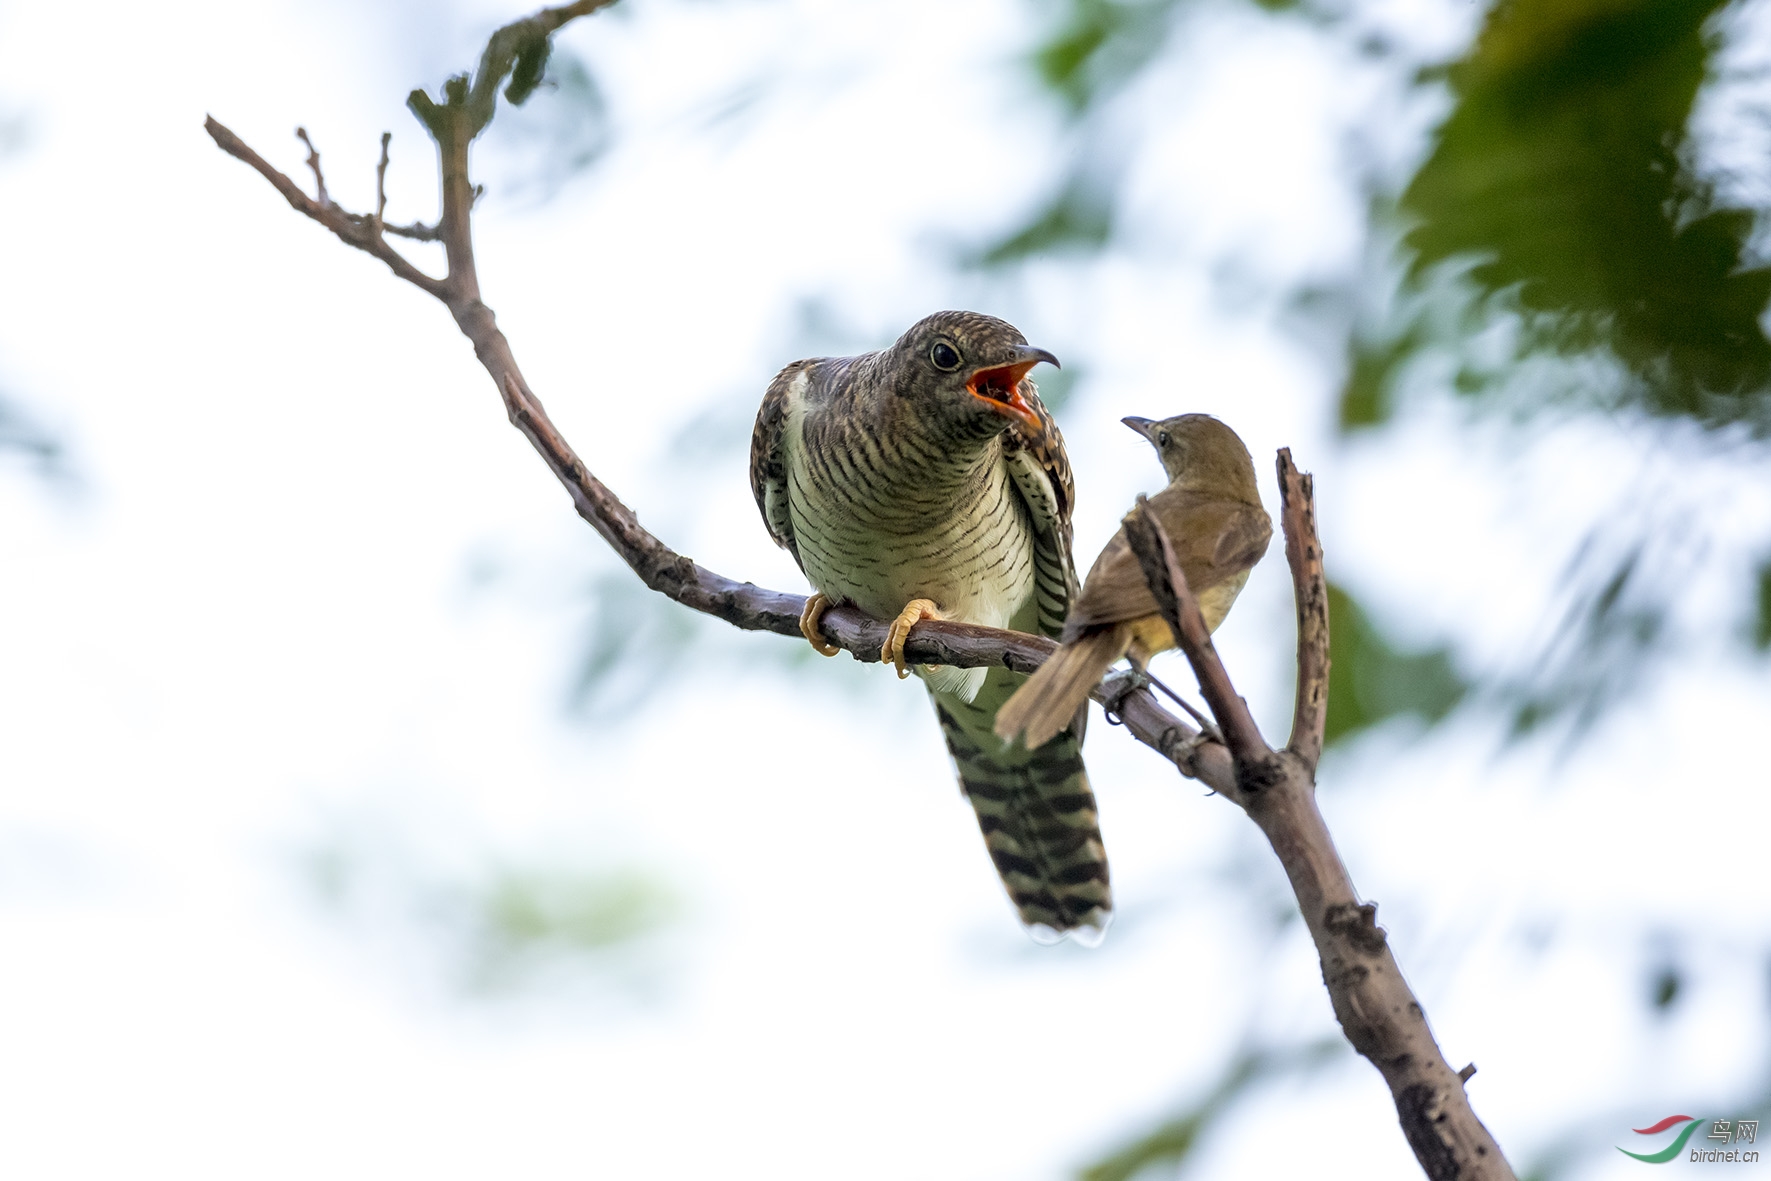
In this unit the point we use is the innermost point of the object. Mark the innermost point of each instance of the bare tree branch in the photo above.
(1378, 1013)
(1303, 552)
(1162, 571)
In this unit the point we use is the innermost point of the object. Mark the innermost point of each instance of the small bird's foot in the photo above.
(809, 620)
(914, 612)
(1116, 687)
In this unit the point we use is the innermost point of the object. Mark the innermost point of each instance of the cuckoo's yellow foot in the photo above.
(929, 472)
(810, 616)
(1211, 511)
(914, 612)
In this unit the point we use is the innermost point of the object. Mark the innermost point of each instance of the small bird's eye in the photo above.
(1162, 438)
(945, 356)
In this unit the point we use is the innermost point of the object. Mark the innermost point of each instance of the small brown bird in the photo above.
(1211, 511)
(926, 481)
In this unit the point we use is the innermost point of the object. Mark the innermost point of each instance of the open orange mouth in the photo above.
(1000, 388)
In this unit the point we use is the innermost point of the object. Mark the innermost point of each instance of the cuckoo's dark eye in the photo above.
(944, 356)
(1162, 438)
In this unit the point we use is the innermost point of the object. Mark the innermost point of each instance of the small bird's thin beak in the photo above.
(1033, 355)
(1143, 426)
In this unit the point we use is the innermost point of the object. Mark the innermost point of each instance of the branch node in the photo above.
(1356, 923)
(313, 162)
(1467, 1073)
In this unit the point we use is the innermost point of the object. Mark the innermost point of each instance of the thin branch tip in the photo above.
(1303, 554)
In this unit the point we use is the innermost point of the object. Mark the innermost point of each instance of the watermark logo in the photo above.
(1724, 1131)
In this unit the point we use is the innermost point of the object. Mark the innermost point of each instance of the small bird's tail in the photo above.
(1037, 815)
(1058, 688)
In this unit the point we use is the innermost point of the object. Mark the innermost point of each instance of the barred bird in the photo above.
(927, 481)
(1211, 511)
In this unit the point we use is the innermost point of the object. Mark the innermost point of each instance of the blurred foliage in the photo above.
(1761, 624)
(525, 919)
(1664, 986)
(637, 643)
(1097, 44)
(1173, 1141)
(1560, 244)
(1561, 186)
(1078, 218)
(490, 926)
(23, 436)
(1615, 618)
(543, 145)
(1094, 47)
(1373, 680)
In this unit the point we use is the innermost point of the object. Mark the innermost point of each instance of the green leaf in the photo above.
(1098, 46)
(1078, 217)
(1562, 176)
(1173, 1140)
(1761, 631)
(1372, 680)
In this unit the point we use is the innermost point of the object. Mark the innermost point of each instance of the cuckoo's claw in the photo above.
(914, 612)
(809, 620)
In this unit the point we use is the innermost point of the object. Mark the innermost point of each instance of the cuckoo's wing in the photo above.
(1216, 540)
(768, 456)
(1040, 471)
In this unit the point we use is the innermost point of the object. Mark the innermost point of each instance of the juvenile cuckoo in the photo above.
(1211, 511)
(927, 481)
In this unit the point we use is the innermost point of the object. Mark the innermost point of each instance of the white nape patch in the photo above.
(962, 683)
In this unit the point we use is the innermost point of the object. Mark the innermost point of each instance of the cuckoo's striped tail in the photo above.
(1059, 687)
(1037, 815)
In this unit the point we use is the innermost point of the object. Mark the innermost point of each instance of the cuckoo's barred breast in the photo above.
(930, 470)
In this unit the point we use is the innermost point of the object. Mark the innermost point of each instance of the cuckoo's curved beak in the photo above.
(1000, 386)
(1143, 426)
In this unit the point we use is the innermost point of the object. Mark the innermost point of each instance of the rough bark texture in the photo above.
(1376, 1009)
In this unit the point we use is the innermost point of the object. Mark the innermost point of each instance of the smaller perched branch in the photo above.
(1377, 1011)
(387, 137)
(1303, 553)
(1162, 572)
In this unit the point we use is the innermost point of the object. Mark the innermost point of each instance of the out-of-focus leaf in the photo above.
(1371, 376)
(1098, 45)
(1664, 986)
(489, 927)
(1761, 626)
(1617, 614)
(1562, 181)
(550, 142)
(1372, 680)
(638, 642)
(1078, 217)
(1172, 1141)
(523, 918)
(23, 435)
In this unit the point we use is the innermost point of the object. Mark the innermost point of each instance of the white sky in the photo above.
(259, 625)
